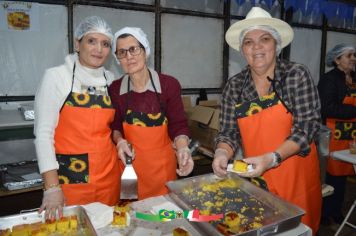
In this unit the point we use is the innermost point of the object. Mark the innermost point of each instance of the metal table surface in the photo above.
(344, 155)
(13, 119)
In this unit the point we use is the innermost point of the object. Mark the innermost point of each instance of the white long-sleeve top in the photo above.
(50, 96)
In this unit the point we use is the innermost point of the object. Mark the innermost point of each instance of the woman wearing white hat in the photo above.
(149, 115)
(338, 109)
(271, 111)
(75, 152)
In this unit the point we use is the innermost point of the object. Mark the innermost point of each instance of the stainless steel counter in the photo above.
(10, 119)
(344, 155)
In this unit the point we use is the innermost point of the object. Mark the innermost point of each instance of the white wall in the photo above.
(192, 50)
(25, 55)
(306, 48)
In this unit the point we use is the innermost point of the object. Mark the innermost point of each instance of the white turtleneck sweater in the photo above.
(50, 96)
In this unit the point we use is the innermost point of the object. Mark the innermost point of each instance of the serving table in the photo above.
(344, 155)
(150, 205)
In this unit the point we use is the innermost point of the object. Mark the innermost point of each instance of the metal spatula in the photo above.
(128, 181)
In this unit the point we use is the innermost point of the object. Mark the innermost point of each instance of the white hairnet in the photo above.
(337, 51)
(267, 28)
(137, 33)
(92, 24)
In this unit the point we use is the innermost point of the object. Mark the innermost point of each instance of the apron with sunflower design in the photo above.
(264, 125)
(343, 132)
(89, 170)
(155, 161)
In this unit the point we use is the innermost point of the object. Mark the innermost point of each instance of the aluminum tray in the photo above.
(20, 175)
(84, 225)
(278, 215)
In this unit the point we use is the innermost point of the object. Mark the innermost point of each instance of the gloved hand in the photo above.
(123, 149)
(260, 164)
(53, 201)
(185, 161)
(220, 162)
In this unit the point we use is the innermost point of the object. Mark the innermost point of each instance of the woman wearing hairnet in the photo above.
(270, 110)
(75, 152)
(149, 115)
(338, 109)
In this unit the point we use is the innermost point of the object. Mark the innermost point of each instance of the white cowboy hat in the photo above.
(257, 16)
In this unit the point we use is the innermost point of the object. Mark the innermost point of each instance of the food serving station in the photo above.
(261, 212)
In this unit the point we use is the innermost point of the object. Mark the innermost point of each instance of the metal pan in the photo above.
(84, 225)
(276, 215)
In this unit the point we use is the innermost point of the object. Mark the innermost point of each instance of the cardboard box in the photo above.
(204, 123)
(187, 104)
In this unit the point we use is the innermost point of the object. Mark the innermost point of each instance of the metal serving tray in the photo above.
(24, 174)
(84, 225)
(277, 214)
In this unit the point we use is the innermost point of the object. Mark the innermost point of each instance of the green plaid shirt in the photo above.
(298, 93)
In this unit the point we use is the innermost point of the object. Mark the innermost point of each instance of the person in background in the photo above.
(338, 109)
(149, 115)
(76, 155)
(271, 111)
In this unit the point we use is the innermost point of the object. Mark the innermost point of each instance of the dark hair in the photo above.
(127, 35)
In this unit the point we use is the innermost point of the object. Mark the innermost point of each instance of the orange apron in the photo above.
(155, 162)
(89, 167)
(343, 132)
(296, 180)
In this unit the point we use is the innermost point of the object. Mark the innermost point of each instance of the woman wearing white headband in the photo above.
(270, 110)
(149, 115)
(338, 110)
(75, 152)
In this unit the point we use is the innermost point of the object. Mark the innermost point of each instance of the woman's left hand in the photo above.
(185, 161)
(260, 165)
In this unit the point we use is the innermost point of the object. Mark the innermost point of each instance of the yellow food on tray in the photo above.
(121, 212)
(5, 232)
(223, 228)
(122, 206)
(233, 220)
(51, 225)
(67, 225)
(73, 222)
(21, 230)
(180, 232)
(39, 232)
(243, 212)
(63, 224)
(120, 219)
(38, 229)
(239, 166)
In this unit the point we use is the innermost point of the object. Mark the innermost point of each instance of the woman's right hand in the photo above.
(220, 162)
(124, 149)
(53, 201)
